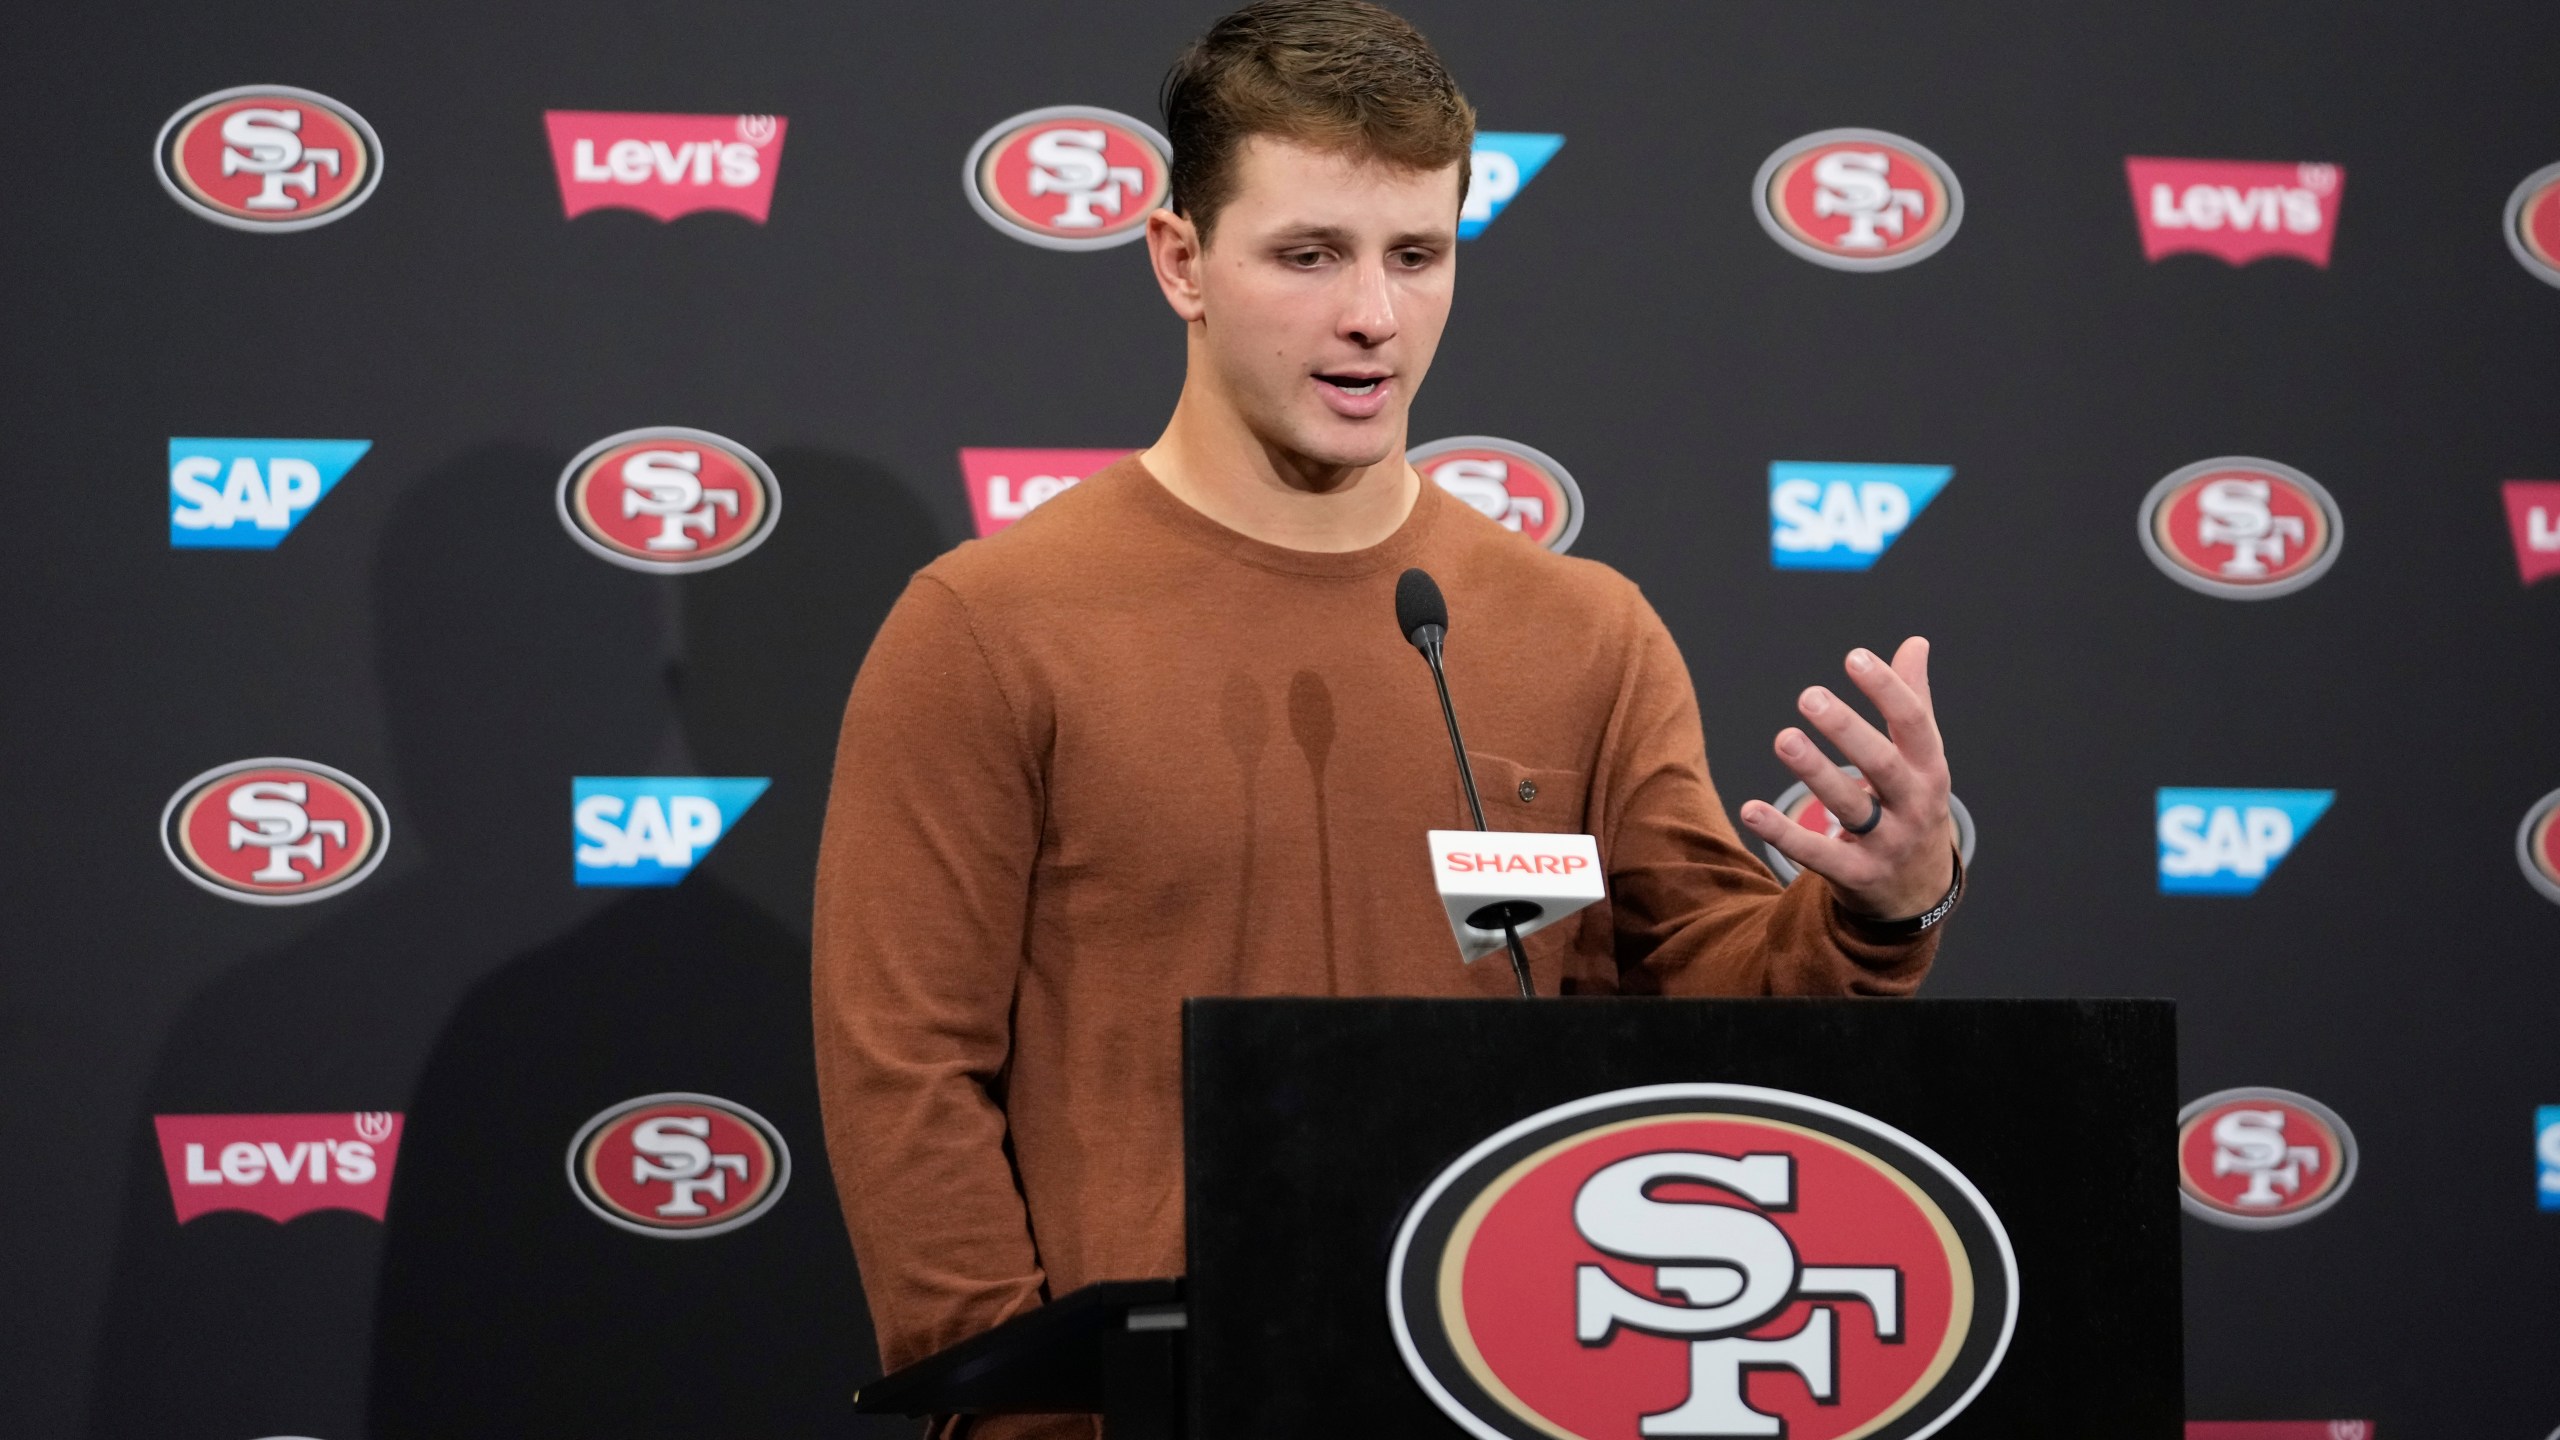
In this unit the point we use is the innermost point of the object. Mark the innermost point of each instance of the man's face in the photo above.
(1323, 289)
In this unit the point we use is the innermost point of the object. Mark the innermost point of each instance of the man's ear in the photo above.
(1173, 248)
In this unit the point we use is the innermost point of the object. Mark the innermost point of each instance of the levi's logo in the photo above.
(2235, 210)
(2533, 516)
(279, 1166)
(1005, 485)
(665, 165)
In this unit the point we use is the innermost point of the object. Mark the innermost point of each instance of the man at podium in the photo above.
(1162, 738)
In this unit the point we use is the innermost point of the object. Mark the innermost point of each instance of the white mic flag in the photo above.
(1532, 878)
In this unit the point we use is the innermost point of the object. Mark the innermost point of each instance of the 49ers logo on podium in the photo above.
(273, 831)
(1797, 803)
(669, 500)
(676, 1166)
(1524, 490)
(1858, 199)
(268, 157)
(2241, 528)
(2538, 846)
(1702, 1260)
(1069, 177)
(2259, 1159)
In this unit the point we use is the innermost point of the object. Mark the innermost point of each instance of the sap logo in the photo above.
(666, 165)
(248, 494)
(1841, 517)
(2235, 210)
(1069, 177)
(1502, 166)
(649, 830)
(2533, 518)
(279, 1166)
(2226, 842)
(1005, 485)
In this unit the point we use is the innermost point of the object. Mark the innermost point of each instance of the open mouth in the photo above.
(1353, 384)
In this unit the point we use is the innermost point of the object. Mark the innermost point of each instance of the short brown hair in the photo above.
(1339, 74)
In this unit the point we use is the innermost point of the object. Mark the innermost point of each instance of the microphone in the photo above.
(1554, 863)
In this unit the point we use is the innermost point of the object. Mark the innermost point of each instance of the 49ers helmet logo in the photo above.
(2538, 846)
(676, 1166)
(2533, 224)
(268, 157)
(1702, 1260)
(1524, 490)
(1069, 177)
(2260, 1159)
(273, 831)
(1858, 199)
(669, 500)
(2241, 528)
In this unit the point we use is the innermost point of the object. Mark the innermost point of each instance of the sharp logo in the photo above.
(1501, 167)
(668, 500)
(1797, 803)
(2241, 528)
(665, 166)
(1005, 485)
(2538, 846)
(2235, 210)
(2533, 518)
(2227, 842)
(1858, 200)
(2533, 224)
(651, 830)
(1701, 1260)
(678, 1166)
(1068, 177)
(249, 494)
(268, 157)
(279, 1166)
(1825, 516)
(2260, 1159)
(1522, 489)
(2546, 1156)
(274, 831)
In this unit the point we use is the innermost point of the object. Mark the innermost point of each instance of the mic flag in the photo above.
(1529, 879)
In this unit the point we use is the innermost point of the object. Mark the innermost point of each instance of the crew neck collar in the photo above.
(1395, 550)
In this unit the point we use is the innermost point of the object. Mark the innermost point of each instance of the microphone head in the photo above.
(1418, 605)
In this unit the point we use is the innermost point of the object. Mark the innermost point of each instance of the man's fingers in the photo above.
(1906, 710)
(1833, 859)
(1839, 794)
(1865, 745)
(1911, 662)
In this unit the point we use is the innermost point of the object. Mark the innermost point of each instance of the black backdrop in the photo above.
(431, 629)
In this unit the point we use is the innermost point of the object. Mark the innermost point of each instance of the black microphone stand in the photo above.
(1507, 913)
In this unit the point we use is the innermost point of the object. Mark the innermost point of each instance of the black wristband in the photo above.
(1892, 932)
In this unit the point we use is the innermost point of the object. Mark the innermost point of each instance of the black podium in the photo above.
(1634, 1218)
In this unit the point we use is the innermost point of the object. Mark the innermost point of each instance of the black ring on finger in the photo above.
(1875, 817)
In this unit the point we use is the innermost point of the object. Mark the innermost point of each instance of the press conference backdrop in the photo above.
(460, 456)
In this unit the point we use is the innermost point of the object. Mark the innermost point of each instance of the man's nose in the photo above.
(1369, 311)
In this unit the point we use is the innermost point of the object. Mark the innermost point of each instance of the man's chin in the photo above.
(1336, 447)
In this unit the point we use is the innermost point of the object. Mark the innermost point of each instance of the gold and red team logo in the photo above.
(1524, 490)
(1858, 199)
(274, 831)
(2538, 846)
(2241, 528)
(268, 157)
(1069, 177)
(1797, 803)
(669, 500)
(2533, 224)
(678, 1166)
(1702, 1260)
(2260, 1159)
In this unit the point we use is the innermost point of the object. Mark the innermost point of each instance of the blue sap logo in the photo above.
(245, 494)
(2546, 1150)
(1841, 517)
(2224, 842)
(1503, 166)
(649, 830)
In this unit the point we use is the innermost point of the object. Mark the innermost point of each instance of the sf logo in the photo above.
(268, 144)
(1484, 483)
(2251, 1144)
(1732, 1269)
(676, 1150)
(1852, 185)
(2239, 514)
(666, 485)
(269, 815)
(1072, 165)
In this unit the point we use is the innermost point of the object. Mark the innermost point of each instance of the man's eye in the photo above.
(1413, 259)
(1306, 259)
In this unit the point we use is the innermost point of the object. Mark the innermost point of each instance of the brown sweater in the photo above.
(1118, 755)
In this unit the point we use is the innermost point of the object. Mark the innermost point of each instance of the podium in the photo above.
(1627, 1218)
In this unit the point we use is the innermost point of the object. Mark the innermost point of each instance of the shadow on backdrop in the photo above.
(507, 1309)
